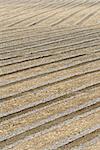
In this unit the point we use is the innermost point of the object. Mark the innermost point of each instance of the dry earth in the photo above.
(50, 74)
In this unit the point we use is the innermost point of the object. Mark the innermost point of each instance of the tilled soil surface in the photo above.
(50, 75)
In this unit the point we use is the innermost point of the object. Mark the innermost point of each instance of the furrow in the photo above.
(47, 69)
(61, 134)
(48, 113)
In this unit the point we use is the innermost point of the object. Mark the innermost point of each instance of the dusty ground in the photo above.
(50, 75)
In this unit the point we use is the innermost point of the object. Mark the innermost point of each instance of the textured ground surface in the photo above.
(50, 75)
